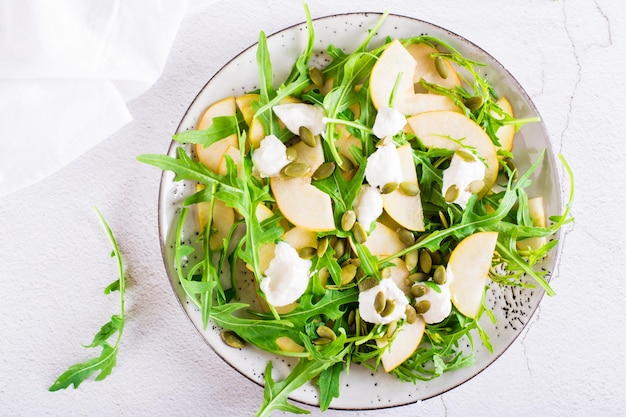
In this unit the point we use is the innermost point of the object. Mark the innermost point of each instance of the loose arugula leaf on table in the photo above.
(104, 363)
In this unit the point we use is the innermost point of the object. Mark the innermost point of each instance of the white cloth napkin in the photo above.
(67, 70)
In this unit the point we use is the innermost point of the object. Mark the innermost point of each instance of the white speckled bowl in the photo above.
(513, 308)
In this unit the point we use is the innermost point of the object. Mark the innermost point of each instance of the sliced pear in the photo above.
(313, 156)
(443, 129)
(263, 212)
(286, 344)
(399, 275)
(211, 155)
(505, 133)
(405, 210)
(244, 103)
(299, 238)
(345, 142)
(234, 153)
(537, 213)
(403, 345)
(395, 69)
(469, 264)
(303, 204)
(426, 68)
(222, 220)
(383, 241)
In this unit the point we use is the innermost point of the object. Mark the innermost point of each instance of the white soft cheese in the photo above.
(392, 293)
(295, 115)
(368, 205)
(270, 157)
(462, 173)
(287, 276)
(383, 166)
(388, 122)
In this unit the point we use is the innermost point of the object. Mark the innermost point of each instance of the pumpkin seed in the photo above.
(390, 306)
(410, 259)
(367, 284)
(439, 276)
(321, 341)
(476, 186)
(323, 275)
(348, 272)
(307, 136)
(422, 306)
(295, 169)
(326, 332)
(360, 235)
(388, 188)
(473, 103)
(444, 220)
(307, 252)
(316, 76)
(391, 329)
(322, 246)
(406, 236)
(441, 67)
(379, 302)
(346, 164)
(385, 273)
(347, 220)
(324, 171)
(465, 155)
(409, 188)
(452, 193)
(292, 153)
(351, 316)
(418, 290)
(436, 257)
(411, 314)
(418, 277)
(232, 339)
(426, 261)
(339, 248)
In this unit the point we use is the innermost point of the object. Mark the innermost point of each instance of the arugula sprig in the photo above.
(104, 363)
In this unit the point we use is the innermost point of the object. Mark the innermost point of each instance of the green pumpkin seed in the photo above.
(418, 290)
(439, 276)
(410, 259)
(391, 329)
(326, 332)
(322, 246)
(321, 341)
(307, 252)
(292, 153)
(452, 193)
(339, 248)
(422, 306)
(426, 261)
(346, 164)
(388, 188)
(367, 283)
(232, 339)
(409, 188)
(441, 67)
(295, 169)
(316, 76)
(406, 236)
(379, 302)
(307, 136)
(476, 186)
(436, 257)
(465, 155)
(360, 235)
(411, 314)
(351, 316)
(347, 220)
(348, 272)
(444, 220)
(390, 306)
(473, 103)
(418, 277)
(324, 171)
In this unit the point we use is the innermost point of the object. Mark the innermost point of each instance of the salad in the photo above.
(355, 215)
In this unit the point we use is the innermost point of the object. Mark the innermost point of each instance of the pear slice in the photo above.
(222, 220)
(505, 133)
(469, 265)
(234, 153)
(537, 213)
(395, 69)
(403, 345)
(444, 129)
(211, 155)
(299, 238)
(383, 241)
(426, 68)
(405, 210)
(244, 104)
(303, 204)
(399, 275)
(313, 156)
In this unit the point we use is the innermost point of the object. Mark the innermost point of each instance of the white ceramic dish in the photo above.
(513, 307)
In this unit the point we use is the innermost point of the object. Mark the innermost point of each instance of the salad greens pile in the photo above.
(325, 325)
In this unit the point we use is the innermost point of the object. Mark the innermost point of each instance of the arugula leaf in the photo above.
(104, 363)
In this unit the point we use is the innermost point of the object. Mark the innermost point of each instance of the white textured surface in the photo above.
(569, 55)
